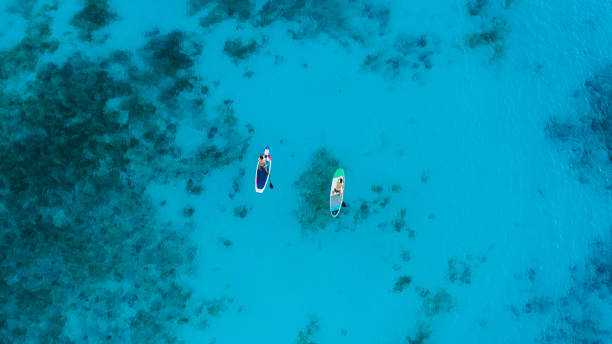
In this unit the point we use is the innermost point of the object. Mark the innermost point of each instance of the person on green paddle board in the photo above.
(339, 187)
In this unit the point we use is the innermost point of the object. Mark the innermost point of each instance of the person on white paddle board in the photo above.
(339, 187)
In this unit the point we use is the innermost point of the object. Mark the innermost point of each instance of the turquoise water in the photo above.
(476, 138)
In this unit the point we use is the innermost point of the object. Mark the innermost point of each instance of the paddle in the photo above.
(271, 186)
(343, 204)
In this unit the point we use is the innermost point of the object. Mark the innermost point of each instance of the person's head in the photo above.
(340, 180)
(261, 157)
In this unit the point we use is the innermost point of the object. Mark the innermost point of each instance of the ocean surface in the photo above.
(476, 138)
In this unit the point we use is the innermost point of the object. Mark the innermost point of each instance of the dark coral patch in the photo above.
(241, 211)
(221, 10)
(238, 50)
(95, 15)
(79, 216)
(476, 7)
(402, 283)
(313, 187)
(331, 17)
(193, 188)
(422, 334)
(459, 271)
(489, 36)
(589, 293)
(170, 54)
(588, 138)
(37, 41)
(306, 335)
(23, 7)
(493, 28)
(408, 53)
(440, 302)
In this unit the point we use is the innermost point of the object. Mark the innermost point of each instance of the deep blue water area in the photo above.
(475, 136)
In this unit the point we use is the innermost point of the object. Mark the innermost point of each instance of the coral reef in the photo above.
(422, 334)
(362, 213)
(490, 17)
(589, 293)
(335, 18)
(188, 211)
(82, 246)
(241, 211)
(309, 331)
(492, 34)
(172, 54)
(460, 270)
(399, 223)
(193, 188)
(476, 7)
(221, 10)
(406, 256)
(228, 145)
(440, 302)
(238, 178)
(239, 51)
(78, 214)
(408, 52)
(340, 19)
(313, 187)
(538, 305)
(217, 306)
(25, 8)
(433, 306)
(401, 283)
(37, 41)
(312, 18)
(588, 138)
(170, 58)
(95, 15)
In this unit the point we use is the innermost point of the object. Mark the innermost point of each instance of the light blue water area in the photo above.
(476, 138)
